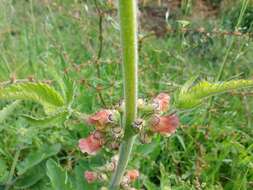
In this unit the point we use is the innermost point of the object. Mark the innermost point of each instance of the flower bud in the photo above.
(115, 160)
(132, 175)
(90, 176)
(138, 124)
(161, 102)
(145, 137)
(117, 132)
(121, 106)
(102, 177)
(129, 177)
(114, 145)
(141, 103)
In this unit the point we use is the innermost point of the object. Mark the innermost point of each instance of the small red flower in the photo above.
(90, 176)
(101, 118)
(92, 143)
(165, 125)
(162, 102)
(133, 175)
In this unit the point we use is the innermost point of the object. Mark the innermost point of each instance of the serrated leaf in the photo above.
(6, 111)
(42, 93)
(58, 177)
(34, 158)
(53, 119)
(191, 97)
(31, 177)
(67, 86)
(69, 90)
(51, 70)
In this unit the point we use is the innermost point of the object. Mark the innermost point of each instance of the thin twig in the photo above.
(6, 83)
(100, 49)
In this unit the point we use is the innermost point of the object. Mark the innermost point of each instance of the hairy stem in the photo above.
(128, 27)
(12, 171)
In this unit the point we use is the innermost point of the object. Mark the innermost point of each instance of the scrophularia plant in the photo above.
(117, 128)
(153, 118)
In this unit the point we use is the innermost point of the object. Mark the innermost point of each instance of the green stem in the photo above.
(125, 151)
(128, 27)
(12, 171)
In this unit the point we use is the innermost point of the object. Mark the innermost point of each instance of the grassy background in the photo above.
(206, 153)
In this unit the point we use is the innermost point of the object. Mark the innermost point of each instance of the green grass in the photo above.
(218, 154)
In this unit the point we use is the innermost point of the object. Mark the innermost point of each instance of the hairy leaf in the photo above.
(31, 177)
(6, 111)
(69, 90)
(37, 157)
(42, 93)
(58, 177)
(52, 119)
(66, 85)
(189, 97)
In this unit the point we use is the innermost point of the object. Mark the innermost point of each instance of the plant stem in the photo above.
(100, 49)
(13, 166)
(128, 27)
(125, 151)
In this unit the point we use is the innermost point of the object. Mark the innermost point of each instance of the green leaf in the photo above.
(164, 181)
(31, 177)
(69, 90)
(58, 177)
(190, 97)
(42, 93)
(6, 111)
(146, 149)
(53, 119)
(148, 184)
(34, 158)
(181, 141)
(67, 86)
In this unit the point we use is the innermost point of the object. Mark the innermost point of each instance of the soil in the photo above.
(153, 13)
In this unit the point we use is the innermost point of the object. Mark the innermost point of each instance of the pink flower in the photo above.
(132, 175)
(162, 102)
(165, 125)
(90, 176)
(101, 118)
(92, 143)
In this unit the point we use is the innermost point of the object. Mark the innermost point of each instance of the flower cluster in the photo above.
(108, 130)
(101, 174)
(152, 119)
(129, 177)
(155, 121)
(104, 121)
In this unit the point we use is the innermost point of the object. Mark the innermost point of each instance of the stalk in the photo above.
(128, 26)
